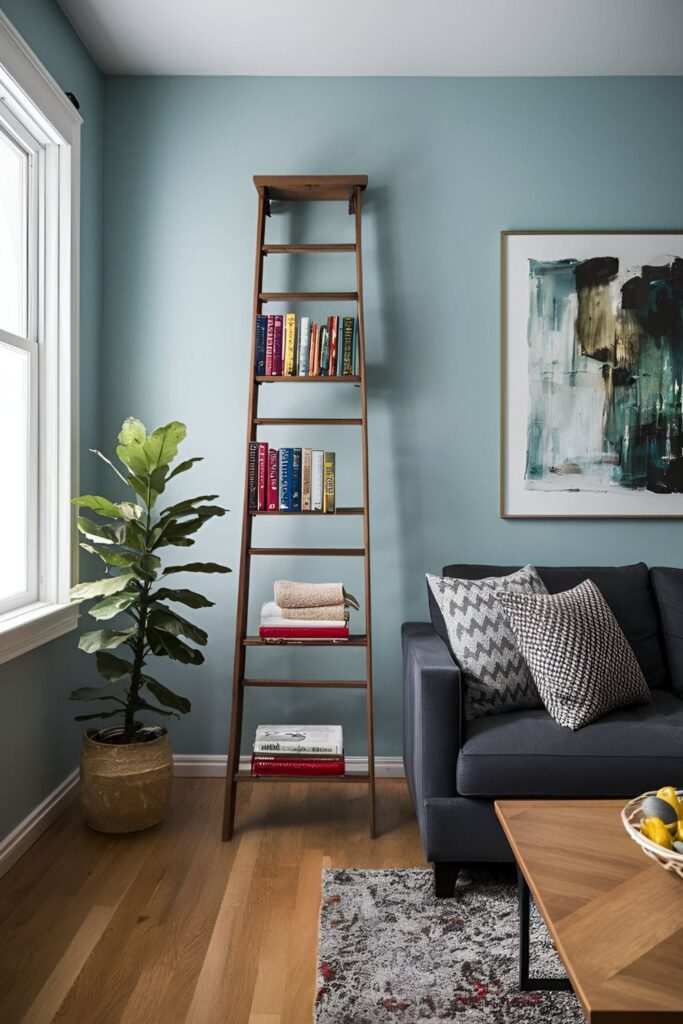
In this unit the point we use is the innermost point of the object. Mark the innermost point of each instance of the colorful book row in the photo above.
(290, 479)
(287, 348)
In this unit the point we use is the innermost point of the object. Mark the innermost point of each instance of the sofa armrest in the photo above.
(431, 714)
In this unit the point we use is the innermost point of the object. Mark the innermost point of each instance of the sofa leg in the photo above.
(445, 877)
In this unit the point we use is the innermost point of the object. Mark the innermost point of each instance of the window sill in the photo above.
(30, 627)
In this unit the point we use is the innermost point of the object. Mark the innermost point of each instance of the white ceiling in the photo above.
(382, 37)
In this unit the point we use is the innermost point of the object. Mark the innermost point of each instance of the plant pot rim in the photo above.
(92, 731)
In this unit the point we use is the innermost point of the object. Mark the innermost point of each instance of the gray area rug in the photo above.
(390, 951)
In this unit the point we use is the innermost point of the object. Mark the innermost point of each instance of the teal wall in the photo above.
(38, 738)
(451, 162)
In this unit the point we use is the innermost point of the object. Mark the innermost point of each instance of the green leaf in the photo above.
(183, 467)
(142, 705)
(105, 639)
(101, 714)
(117, 693)
(167, 697)
(186, 507)
(101, 588)
(132, 431)
(135, 536)
(176, 533)
(187, 597)
(171, 622)
(98, 532)
(112, 606)
(129, 511)
(163, 643)
(110, 464)
(121, 559)
(196, 567)
(161, 447)
(111, 667)
(102, 506)
(133, 456)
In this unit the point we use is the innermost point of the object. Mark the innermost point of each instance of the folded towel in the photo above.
(289, 594)
(273, 615)
(329, 612)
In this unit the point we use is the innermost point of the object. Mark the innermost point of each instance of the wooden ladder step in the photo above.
(355, 640)
(292, 421)
(347, 379)
(304, 187)
(337, 247)
(308, 296)
(318, 552)
(352, 777)
(339, 512)
(322, 684)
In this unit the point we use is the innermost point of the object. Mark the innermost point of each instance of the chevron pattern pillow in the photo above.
(495, 675)
(581, 661)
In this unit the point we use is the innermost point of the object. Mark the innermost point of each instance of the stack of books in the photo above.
(287, 346)
(298, 750)
(290, 479)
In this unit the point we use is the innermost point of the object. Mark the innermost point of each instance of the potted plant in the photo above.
(126, 770)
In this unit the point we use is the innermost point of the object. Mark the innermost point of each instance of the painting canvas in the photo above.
(592, 374)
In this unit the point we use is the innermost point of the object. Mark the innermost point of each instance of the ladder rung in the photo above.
(323, 684)
(308, 296)
(346, 379)
(352, 777)
(355, 640)
(307, 422)
(357, 511)
(322, 552)
(337, 247)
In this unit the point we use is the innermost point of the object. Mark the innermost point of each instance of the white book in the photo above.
(317, 473)
(304, 345)
(299, 739)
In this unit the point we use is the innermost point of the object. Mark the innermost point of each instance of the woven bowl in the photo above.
(632, 815)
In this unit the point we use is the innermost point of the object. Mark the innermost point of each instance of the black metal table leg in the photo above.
(526, 983)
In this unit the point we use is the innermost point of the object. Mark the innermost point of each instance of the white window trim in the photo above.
(29, 92)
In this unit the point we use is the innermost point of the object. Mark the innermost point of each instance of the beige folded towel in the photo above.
(331, 612)
(289, 594)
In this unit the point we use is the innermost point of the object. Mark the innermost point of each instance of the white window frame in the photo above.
(45, 122)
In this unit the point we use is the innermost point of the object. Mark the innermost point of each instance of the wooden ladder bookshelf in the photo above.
(329, 188)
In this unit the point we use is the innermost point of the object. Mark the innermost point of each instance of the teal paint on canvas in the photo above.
(451, 162)
(38, 737)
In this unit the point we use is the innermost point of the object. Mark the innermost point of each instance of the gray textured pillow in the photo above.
(495, 674)
(581, 661)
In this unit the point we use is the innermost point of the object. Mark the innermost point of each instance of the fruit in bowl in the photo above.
(663, 819)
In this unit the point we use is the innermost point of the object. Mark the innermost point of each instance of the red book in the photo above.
(277, 344)
(262, 475)
(272, 491)
(304, 632)
(270, 338)
(333, 326)
(296, 765)
(314, 358)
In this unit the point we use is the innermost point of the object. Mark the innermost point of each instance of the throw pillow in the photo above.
(580, 659)
(495, 675)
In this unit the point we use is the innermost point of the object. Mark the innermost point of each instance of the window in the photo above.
(39, 218)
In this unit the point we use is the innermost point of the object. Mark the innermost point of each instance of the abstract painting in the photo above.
(592, 376)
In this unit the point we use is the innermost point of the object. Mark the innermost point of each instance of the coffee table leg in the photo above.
(526, 983)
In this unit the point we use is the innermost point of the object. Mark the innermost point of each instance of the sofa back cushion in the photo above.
(668, 587)
(629, 593)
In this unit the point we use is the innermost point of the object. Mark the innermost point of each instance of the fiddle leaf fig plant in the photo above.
(129, 537)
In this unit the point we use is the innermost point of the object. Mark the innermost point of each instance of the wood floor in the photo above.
(172, 925)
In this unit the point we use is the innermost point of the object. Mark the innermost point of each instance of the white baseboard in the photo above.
(28, 830)
(214, 766)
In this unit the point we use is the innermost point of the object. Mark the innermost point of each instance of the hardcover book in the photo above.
(299, 739)
(296, 480)
(260, 353)
(286, 479)
(270, 331)
(324, 335)
(277, 344)
(314, 359)
(262, 475)
(272, 492)
(304, 345)
(329, 482)
(317, 472)
(306, 459)
(347, 346)
(271, 766)
(290, 345)
(333, 328)
(252, 489)
(303, 632)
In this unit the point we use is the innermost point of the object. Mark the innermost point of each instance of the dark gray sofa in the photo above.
(456, 769)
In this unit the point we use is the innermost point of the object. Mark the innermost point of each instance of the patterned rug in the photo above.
(390, 951)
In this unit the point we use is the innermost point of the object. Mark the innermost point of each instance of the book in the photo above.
(296, 766)
(260, 345)
(317, 473)
(296, 480)
(299, 739)
(306, 458)
(285, 484)
(324, 336)
(333, 328)
(272, 496)
(328, 482)
(252, 489)
(289, 367)
(314, 359)
(348, 324)
(270, 330)
(303, 632)
(277, 345)
(304, 345)
(262, 476)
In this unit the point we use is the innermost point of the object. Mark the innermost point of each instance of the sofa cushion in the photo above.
(527, 754)
(627, 590)
(668, 587)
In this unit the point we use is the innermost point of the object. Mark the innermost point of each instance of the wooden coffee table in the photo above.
(615, 916)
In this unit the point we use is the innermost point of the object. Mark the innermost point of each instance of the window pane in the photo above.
(14, 507)
(13, 258)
